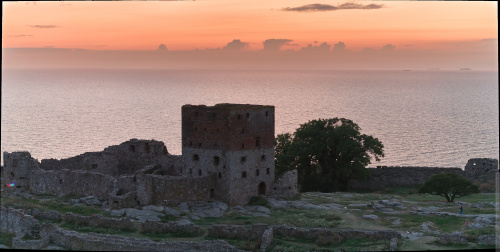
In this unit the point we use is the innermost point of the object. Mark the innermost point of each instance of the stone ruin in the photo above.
(481, 169)
(227, 155)
(476, 170)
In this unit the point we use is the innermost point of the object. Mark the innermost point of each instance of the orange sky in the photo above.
(406, 33)
(186, 25)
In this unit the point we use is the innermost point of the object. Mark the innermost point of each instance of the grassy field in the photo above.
(352, 218)
(52, 203)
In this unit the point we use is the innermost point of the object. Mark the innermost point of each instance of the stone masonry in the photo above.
(227, 155)
(477, 169)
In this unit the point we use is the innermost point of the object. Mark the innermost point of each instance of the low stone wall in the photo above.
(253, 232)
(18, 243)
(50, 215)
(170, 227)
(98, 220)
(16, 222)
(453, 238)
(317, 233)
(383, 177)
(103, 242)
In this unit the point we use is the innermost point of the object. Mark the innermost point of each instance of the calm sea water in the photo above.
(423, 118)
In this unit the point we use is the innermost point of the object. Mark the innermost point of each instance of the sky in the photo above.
(259, 33)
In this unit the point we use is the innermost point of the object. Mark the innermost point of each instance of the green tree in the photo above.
(327, 153)
(449, 185)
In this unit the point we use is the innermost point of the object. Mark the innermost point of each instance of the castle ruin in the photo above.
(227, 155)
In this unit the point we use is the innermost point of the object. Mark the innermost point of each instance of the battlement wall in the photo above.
(384, 176)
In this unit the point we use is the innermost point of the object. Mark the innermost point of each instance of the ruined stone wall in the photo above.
(481, 169)
(222, 231)
(382, 177)
(170, 227)
(98, 220)
(317, 233)
(103, 162)
(125, 184)
(154, 189)
(286, 185)
(16, 222)
(103, 242)
(172, 165)
(81, 183)
(134, 154)
(17, 170)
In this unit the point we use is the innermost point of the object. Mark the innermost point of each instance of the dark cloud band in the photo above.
(327, 7)
(21, 35)
(44, 26)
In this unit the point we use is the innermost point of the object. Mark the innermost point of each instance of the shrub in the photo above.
(258, 201)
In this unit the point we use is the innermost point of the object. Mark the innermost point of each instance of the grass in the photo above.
(167, 218)
(99, 230)
(462, 246)
(402, 190)
(335, 219)
(414, 222)
(51, 204)
(242, 244)
(6, 239)
(361, 244)
(473, 234)
(287, 216)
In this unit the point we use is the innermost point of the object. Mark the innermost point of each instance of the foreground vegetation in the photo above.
(349, 215)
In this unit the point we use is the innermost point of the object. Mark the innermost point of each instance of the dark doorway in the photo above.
(262, 188)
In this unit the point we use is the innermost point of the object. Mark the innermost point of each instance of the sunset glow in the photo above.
(188, 25)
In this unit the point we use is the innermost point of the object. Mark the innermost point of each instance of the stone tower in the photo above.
(18, 167)
(233, 143)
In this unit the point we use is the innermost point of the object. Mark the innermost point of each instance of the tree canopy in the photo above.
(327, 153)
(449, 185)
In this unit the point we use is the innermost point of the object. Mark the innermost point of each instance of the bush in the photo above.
(487, 187)
(258, 201)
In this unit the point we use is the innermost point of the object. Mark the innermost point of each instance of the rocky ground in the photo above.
(356, 211)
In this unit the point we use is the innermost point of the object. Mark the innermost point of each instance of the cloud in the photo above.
(21, 35)
(324, 47)
(388, 47)
(327, 7)
(275, 44)
(44, 26)
(162, 47)
(235, 45)
(340, 46)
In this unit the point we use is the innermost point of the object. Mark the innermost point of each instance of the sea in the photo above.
(436, 118)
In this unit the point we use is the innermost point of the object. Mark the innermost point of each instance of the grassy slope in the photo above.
(337, 219)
